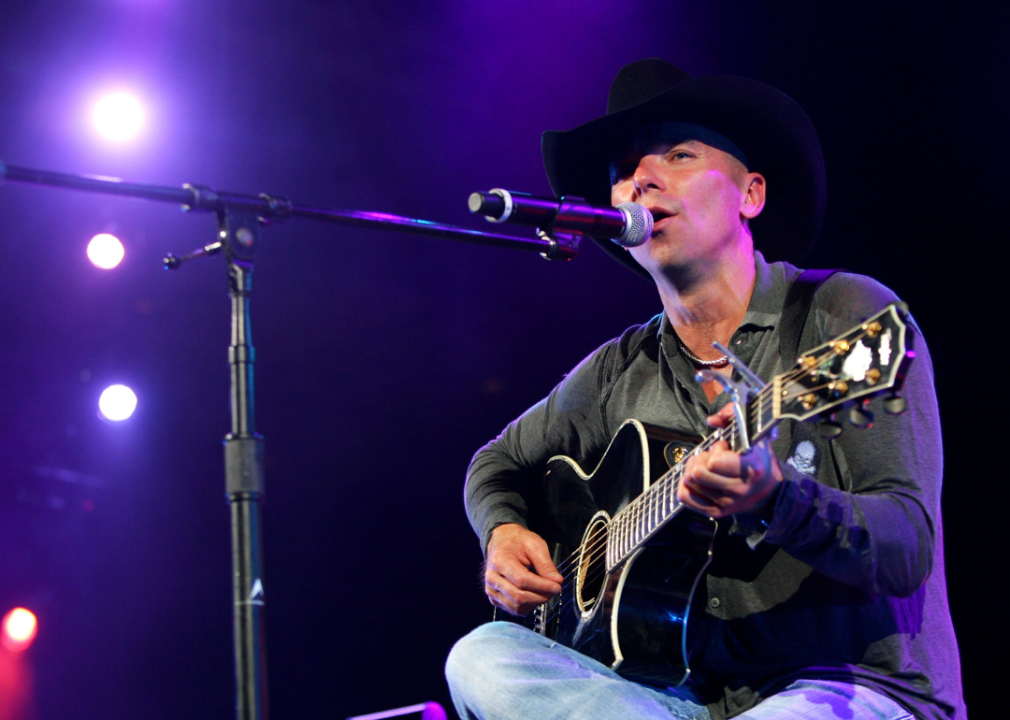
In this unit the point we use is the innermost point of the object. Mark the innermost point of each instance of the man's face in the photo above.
(700, 196)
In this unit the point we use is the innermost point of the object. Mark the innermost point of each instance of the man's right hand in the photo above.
(519, 573)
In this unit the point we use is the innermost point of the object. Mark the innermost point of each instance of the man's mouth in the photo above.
(658, 215)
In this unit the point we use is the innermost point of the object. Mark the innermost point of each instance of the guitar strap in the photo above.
(799, 300)
(806, 446)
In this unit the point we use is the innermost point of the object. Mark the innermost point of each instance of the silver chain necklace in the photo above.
(698, 361)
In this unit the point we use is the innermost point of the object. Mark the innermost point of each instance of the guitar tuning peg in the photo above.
(860, 417)
(829, 429)
(895, 405)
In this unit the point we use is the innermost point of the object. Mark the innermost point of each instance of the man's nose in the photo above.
(645, 178)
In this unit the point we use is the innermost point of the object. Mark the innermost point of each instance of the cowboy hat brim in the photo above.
(770, 128)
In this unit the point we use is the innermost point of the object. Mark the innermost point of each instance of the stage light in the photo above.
(117, 402)
(118, 116)
(429, 711)
(19, 629)
(105, 251)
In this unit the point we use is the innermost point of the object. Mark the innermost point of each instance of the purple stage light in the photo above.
(118, 116)
(429, 711)
(117, 403)
(105, 251)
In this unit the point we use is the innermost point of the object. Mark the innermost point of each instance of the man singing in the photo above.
(826, 595)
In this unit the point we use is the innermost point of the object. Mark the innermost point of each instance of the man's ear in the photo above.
(754, 195)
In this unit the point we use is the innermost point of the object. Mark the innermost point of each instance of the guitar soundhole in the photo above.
(592, 564)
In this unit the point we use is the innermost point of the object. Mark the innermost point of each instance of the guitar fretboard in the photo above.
(647, 513)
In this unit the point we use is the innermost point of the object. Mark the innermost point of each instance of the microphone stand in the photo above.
(239, 218)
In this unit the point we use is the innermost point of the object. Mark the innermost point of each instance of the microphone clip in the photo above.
(563, 246)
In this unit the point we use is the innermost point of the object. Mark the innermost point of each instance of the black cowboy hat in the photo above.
(773, 132)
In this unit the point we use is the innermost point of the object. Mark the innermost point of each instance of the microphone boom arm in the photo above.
(198, 198)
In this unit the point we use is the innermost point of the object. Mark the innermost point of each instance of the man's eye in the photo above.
(679, 155)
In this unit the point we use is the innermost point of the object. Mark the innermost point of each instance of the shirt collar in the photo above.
(771, 283)
(770, 288)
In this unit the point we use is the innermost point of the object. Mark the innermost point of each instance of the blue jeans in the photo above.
(502, 671)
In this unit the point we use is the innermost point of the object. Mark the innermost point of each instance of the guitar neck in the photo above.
(646, 514)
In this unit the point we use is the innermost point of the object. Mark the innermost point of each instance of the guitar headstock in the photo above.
(868, 360)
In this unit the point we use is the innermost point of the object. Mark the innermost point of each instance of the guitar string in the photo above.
(668, 483)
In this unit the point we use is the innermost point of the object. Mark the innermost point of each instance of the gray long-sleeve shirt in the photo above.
(847, 583)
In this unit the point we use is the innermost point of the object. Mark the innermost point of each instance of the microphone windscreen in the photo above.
(639, 225)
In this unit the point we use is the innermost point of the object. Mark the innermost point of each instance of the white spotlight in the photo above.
(118, 116)
(18, 629)
(105, 251)
(117, 402)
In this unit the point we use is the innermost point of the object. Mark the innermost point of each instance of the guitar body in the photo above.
(635, 618)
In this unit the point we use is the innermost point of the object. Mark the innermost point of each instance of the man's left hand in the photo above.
(720, 482)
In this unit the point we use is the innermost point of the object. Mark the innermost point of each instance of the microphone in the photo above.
(629, 224)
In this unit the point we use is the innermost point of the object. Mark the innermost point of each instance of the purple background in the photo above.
(384, 361)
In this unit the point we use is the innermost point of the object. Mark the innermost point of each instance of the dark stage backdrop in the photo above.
(385, 361)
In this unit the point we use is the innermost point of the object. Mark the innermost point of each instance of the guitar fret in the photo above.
(624, 536)
(646, 517)
(630, 533)
(624, 533)
(634, 524)
(661, 499)
(620, 541)
(615, 542)
(612, 531)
